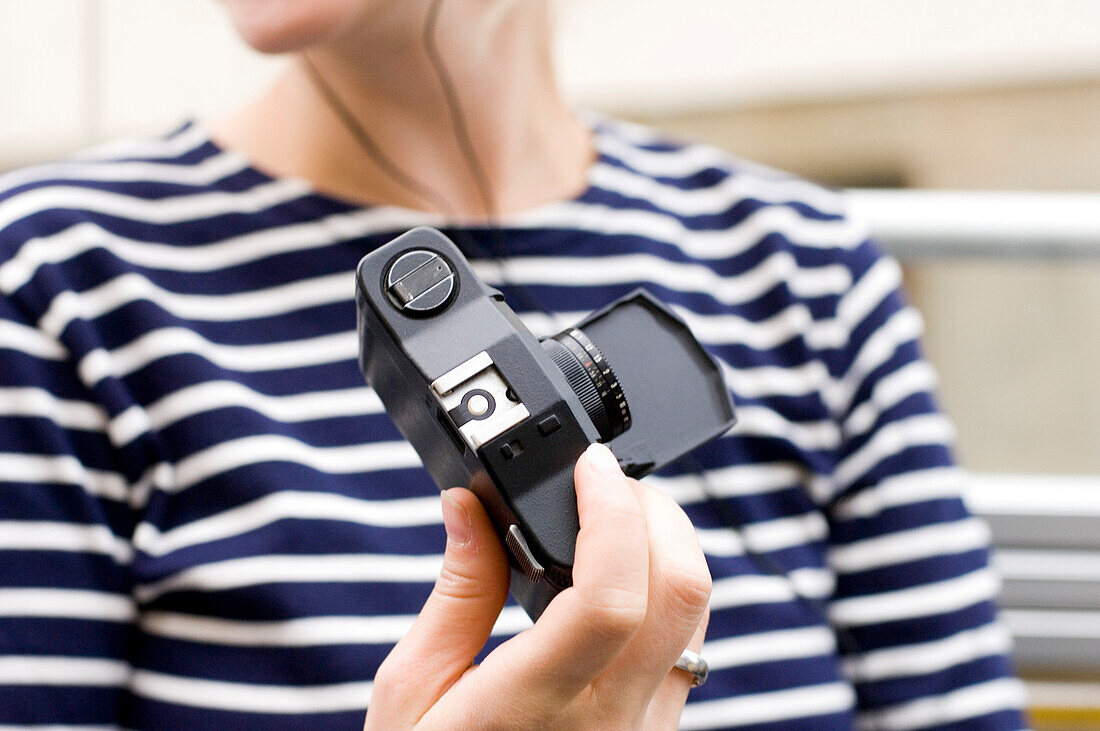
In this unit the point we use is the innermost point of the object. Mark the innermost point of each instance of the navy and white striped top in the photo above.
(208, 521)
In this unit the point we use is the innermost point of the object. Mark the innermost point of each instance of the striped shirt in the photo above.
(207, 520)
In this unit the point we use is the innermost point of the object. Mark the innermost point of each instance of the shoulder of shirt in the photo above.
(694, 167)
(716, 204)
(41, 198)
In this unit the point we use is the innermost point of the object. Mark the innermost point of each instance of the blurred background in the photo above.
(969, 131)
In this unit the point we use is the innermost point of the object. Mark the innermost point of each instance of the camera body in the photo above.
(488, 406)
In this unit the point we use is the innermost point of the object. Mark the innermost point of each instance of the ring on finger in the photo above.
(693, 662)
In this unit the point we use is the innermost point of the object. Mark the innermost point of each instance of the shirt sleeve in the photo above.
(915, 604)
(65, 519)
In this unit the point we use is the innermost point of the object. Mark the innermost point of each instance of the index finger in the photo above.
(588, 625)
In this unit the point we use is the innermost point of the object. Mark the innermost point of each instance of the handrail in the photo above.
(1034, 494)
(947, 224)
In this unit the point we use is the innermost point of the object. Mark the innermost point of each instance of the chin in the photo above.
(279, 26)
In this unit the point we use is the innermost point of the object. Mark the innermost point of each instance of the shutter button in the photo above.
(420, 283)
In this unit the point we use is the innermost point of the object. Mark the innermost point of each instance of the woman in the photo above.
(212, 523)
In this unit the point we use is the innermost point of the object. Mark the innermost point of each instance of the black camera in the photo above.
(490, 407)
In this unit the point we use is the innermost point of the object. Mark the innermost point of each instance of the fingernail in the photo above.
(455, 520)
(602, 461)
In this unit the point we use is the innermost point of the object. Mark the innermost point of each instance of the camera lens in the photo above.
(591, 378)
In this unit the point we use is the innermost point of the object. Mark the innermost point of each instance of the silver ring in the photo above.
(694, 663)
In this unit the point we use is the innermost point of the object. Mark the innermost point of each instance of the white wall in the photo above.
(42, 87)
(662, 55)
(74, 71)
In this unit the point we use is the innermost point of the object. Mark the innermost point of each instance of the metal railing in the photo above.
(940, 224)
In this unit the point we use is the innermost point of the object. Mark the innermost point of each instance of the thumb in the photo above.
(457, 618)
(473, 583)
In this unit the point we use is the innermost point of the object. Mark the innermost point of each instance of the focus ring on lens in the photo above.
(580, 383)
(592, 379)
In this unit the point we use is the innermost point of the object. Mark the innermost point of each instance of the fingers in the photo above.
(456, 620)
(604, 648)
(668, 702)
(679, 589)
(586, 627)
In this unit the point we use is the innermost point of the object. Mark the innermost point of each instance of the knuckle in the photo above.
(615, 613)
(459, 582)
(689, 590)
(683, 573)
(385, 683)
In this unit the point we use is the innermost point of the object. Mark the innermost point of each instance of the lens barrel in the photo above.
(592, 380)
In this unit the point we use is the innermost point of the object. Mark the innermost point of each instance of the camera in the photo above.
(490, 407)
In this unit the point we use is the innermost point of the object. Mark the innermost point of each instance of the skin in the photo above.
(498, 53)
(602, 654)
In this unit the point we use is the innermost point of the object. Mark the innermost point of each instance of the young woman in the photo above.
(209, 521)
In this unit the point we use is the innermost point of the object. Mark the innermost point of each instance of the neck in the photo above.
(528, 147)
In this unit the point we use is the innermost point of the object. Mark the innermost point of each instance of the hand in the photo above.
(601, 655)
